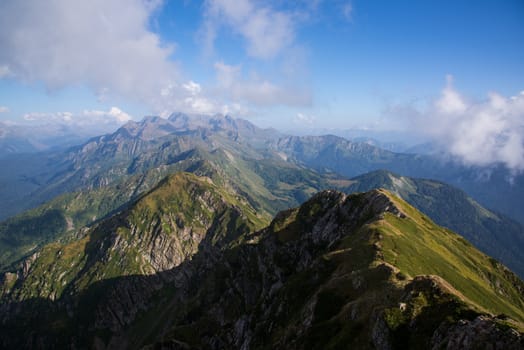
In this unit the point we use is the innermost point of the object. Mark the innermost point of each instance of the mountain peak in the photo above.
(357, 270)
(376, 201)
(328, 215)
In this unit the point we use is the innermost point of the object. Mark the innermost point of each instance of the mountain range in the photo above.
(491, 232)
(32, 179)
(178, 233)
(273, 171)
(185, 267)
(34, 136)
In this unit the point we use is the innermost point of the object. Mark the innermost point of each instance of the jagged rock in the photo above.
(185, 269)
(481, 333)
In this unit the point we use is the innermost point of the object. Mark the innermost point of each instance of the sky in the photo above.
(431, 67)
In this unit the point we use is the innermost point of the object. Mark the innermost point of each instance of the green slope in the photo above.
(184, 266)
(493, 233)
(417, 246)
(174, 217)
(360, 271)
(61, 217)
(269, 184)
(495, 187)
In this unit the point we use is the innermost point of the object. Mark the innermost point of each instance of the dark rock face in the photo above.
(480, 333)
(316, 277)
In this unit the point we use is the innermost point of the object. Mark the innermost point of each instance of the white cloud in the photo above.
(235, 109)
(87, 118)
(450, 101)
(109, 47)
(56, 117)
(114, 114)
(266, 31)
(4, 109)
(192, 87)
(302, 119)
(199, 105)
(104, 44)
(256, 90)
(478, 132)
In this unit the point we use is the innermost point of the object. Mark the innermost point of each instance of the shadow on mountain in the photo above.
(104, 308)
(315, 277)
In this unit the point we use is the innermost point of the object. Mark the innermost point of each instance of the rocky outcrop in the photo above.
(481, 333)
(190, 271)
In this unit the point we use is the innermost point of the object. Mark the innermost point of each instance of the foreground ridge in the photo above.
(185, 267)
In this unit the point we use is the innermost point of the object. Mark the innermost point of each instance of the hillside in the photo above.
(137, 147)
(184, 267)
(269, 184)
(492, 233)
(30, 180)
(494, 187)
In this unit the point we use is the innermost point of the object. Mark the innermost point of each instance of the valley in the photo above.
(194, 223)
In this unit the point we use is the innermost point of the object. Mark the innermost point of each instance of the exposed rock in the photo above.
(481, 333)
(184, 274)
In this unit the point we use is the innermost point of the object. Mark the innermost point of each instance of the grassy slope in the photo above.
(341, 291)
(181, 199)
(23, 234)
(494, 234)
(386, 262)
(417, 246)
(269, 185)
(335, 297)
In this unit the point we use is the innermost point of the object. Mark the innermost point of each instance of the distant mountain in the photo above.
(30, 138)
(12, 141)
(91, 181)
(30, 180)
(391, 140)
(184, 267)
(107, 172)
(239, 128)
(495, 188)
(493, 233)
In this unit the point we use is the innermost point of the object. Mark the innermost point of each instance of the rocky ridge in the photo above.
(331, 273)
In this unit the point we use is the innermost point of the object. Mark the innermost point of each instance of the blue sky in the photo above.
(286, 64)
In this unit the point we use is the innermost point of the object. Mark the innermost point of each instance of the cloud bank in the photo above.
(104, 44)
(114, 117)
(110, 47)
(479, 133)
(268, 35)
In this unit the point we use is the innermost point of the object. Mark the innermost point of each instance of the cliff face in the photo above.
(107, 264)
(185, 267)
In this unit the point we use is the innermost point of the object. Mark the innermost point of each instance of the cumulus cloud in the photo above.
(109, 46)
(478, 132)
(114, 114)
(4, 109)
(104, 44)
(256, 90)
(269, 34)
(87, 118)
(266, 31)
